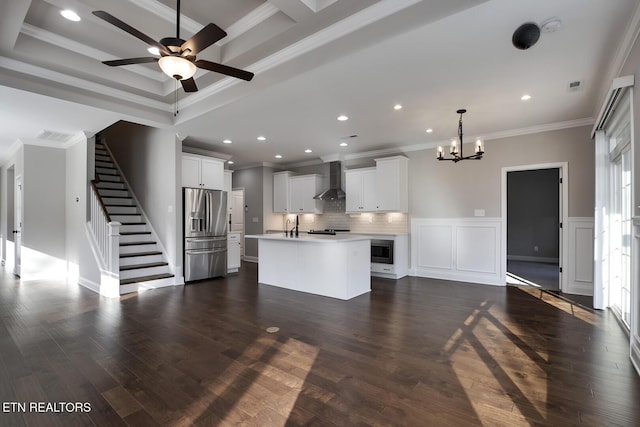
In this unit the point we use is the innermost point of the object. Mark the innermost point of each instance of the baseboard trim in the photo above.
(253, 259)
(546, 260)
(474, 278)
(89, 284)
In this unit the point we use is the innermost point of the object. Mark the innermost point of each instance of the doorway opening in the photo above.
(533, 227)
(535, 208)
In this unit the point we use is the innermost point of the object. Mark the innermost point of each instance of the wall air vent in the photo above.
(575, 86)
(54, 136)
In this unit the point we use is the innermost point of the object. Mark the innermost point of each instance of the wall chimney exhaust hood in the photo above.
(335, 184)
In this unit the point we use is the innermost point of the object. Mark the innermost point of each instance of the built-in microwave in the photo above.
(382, 251)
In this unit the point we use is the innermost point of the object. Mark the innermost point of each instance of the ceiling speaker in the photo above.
(526, 35)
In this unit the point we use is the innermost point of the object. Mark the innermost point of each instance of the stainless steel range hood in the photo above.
(335, 184)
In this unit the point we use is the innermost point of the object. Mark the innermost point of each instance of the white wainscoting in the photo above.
(578, 265)
(462, 249)
(635, 303)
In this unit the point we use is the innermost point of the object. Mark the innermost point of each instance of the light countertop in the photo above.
(304, 237)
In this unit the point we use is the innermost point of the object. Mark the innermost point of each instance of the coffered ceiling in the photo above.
(313, 60)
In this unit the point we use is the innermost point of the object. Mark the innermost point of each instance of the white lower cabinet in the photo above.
(233, 252)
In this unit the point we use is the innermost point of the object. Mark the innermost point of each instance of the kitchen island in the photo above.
(334, 266)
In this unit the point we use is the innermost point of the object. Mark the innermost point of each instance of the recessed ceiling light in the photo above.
(230, 162)
(278, 156)
(525, 97)
(343, 118)
(154, 51)
(70, 15)
(429, 130)
(397, 107)
(227, 141)
(343, 144)
(308, 150)
(262, 138)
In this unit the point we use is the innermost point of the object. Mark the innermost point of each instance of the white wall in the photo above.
(151, 163)
(82, 267)
(43, 231)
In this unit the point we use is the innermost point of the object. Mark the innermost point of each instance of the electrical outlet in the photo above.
(535, 249)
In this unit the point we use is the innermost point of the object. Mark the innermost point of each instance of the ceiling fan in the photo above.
(177, 56)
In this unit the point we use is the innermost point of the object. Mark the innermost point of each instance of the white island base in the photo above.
(323, 265)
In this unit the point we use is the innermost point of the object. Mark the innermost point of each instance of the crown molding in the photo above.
(82, 49)
(168, 14)
(204, 152)
(621, 56)
(333, 32)
(488, 137)
(32, 70)
(261, 13)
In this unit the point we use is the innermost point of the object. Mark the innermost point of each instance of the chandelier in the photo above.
(456, 154)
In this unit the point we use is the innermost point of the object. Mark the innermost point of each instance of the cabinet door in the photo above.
(281, 193)
(353, 190)
(393, 184)
(227, 188)
(190, 171)
(212, 174)
(296, 195)
(369, 190)
(233, 251)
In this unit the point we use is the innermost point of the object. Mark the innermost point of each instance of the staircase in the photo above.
(141, 259)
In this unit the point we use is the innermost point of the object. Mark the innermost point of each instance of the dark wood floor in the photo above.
(414, 352)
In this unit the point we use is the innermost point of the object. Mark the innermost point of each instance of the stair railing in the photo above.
(105, 232)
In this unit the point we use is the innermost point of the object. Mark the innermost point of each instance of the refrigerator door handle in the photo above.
(204, 251)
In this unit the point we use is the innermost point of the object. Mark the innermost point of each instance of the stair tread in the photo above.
(150, 253)
(122, 206)
(145, 278)
(125, 214)
(147, 265)
(137, 243)
(133, 223)
(133, 233)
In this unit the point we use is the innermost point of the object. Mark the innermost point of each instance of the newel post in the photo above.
(114, 247)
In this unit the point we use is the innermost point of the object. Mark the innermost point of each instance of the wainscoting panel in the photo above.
(435, 256)
(579, 263)
(462, 249)
(476, 248)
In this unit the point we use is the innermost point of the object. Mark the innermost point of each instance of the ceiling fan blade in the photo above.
(129, 29)
(224, 69)
(129, 61)
(189, 85)
(204, 38)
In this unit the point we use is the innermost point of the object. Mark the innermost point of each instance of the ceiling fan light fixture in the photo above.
(177, 67)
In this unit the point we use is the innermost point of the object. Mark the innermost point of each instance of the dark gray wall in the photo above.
(533, 213)
(150, 160)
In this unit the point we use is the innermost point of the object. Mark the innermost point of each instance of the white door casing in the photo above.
(17, 230)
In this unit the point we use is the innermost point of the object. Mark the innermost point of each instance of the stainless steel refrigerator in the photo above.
(205, 233)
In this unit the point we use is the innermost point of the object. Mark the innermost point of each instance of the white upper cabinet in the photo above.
(202, 172)
(360, 188)
(227, 188)
(393, 184)
(281, 192)
(384, 188)
(302, 189)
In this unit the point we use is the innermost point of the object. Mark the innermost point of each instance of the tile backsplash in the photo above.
(336, 219)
